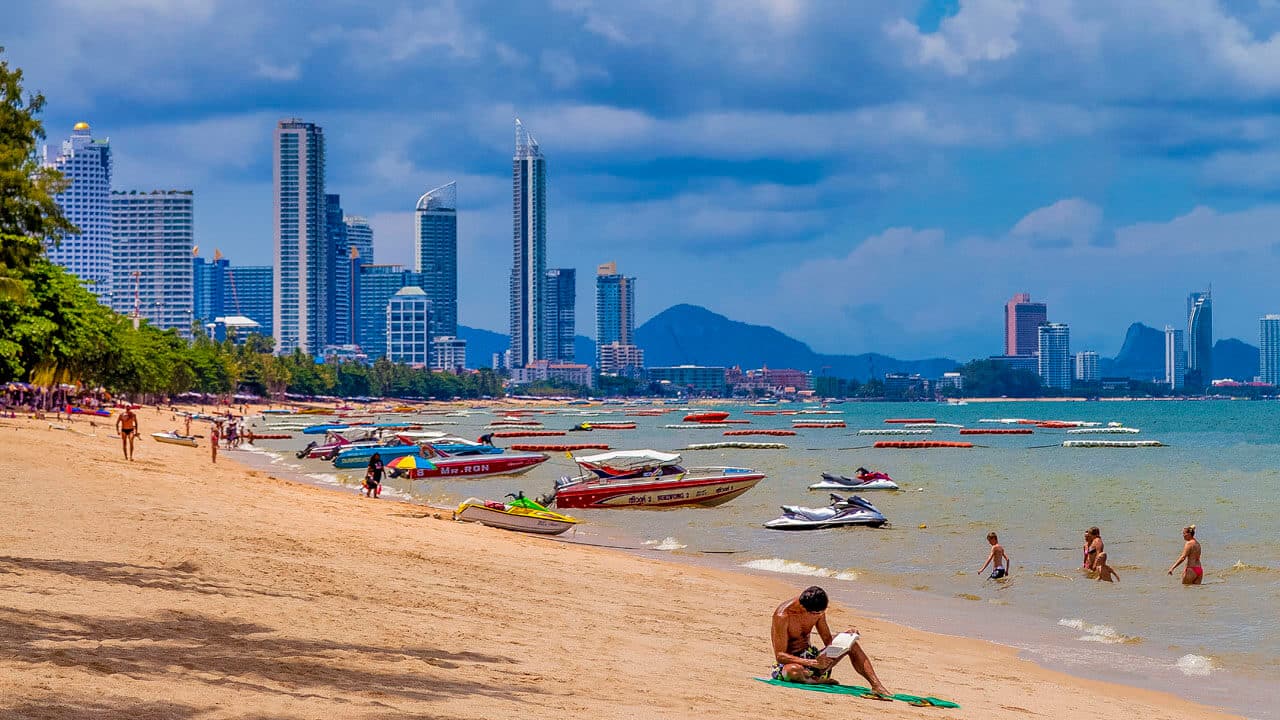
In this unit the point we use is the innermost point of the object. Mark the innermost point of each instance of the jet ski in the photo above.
(852, 510)
(874, 481)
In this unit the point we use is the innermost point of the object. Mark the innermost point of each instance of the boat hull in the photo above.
(477, 466)
(870, 485)
(533, 523)
(703, 492)
(174, 439)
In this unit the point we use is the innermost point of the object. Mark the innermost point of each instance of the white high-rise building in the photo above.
(1269, 349)
(152, 243)
(1087, 366)
(86, 164)
(1175, 358)
(1055, 355)
(303, 267)
(435, 254)
(409, 327)
(529, 257)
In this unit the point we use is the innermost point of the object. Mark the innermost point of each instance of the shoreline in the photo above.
(231, 558)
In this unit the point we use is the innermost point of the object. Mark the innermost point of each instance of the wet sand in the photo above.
(172, 588)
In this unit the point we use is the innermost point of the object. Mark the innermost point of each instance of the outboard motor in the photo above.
(303, 452)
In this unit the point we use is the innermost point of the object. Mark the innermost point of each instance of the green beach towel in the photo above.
(862, 692)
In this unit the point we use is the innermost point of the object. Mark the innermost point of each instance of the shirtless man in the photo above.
(798, 661)
(1096, 548)
(127, 427)
(1193, 574)
(998, 559)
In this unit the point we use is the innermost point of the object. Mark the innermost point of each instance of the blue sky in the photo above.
(863, 175)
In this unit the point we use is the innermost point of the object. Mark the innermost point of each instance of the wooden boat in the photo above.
(174, 438)
(521, 515)
(650, 479)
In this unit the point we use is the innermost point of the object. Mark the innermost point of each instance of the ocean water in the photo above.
(1218, 642)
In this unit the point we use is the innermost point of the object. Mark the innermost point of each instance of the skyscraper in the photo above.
(209, 288)
(1021, 320)
(615, 306)
(360, 237)
(375, 285)
(302, 291)
(1269, 349)
(529, 236)
(250, 293)
(435, 255)
(1175, 358)
(1087, 366)
(151, 249)
(86, 164)
(1054, 346)
(1199, 340)
(338, 273)
(408, 327)
(559, 322)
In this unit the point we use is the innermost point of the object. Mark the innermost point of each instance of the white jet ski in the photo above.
(877, 481)
(842, 511)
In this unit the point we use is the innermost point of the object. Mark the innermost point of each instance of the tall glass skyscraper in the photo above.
(1055, 355)
(435, 255)
(560, 319)
(1022, 318)
(152, 244)
(360, 237)
(209, 288)
(250, 291)
(1175, 358)
(615, 307)
(1199, 340)
(374, 287)
(1269, 349)
(303, 267)
(86, 164)
(529, 235)
(339, 273)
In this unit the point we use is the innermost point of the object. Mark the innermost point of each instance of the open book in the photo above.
(840, 646)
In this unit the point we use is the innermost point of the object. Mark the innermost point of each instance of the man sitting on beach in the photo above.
(798, 661)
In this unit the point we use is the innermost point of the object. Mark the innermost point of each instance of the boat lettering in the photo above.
(464, 469)
(672, 496)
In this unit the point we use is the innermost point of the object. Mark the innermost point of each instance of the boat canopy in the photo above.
(629, 459)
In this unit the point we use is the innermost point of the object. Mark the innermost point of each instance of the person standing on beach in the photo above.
(373, 477)
(800, 662)
(214, 435)
(127, 428)
(1194, 572)
(998, 559)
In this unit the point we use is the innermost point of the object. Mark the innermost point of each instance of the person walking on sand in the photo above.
(127, 428)
(1105, 572)
(186, 426)
(1193, 574)
(796, 659)
(373, 477)
(998, 559)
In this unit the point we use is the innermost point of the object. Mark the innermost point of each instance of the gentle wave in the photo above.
(1195, 665)
(1243, 567)
(791, 567)
(669, 543)
(1099, 633)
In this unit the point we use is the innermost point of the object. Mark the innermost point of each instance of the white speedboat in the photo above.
(174, 438)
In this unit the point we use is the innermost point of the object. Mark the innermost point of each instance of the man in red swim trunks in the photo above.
(1193, 574)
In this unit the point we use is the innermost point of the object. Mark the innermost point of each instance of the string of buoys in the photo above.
(778, 433)
(1104, 431)
(931, 425)
(512, 426)
(529, 433)
(810, 424)
(918, 444)
(899, 421)
(997, 431)
(762, 412)
(517, 422)
(895, 431)
(272, 436)
(612, 426)
(692, 426)
(557, 448)
(1112, 443)
(737, 446)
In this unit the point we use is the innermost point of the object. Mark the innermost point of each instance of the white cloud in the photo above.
(1257, 169)
(982, 31)
(1068, 222)
(566, 72)
(280, 73)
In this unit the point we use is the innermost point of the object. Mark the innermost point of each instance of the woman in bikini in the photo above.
(1193, 574)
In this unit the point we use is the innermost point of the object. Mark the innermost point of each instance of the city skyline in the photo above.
(1085, 195)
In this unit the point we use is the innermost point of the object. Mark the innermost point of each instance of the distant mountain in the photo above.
(1142, 354)
(689, 334)
(482, 344)
(1235, 359)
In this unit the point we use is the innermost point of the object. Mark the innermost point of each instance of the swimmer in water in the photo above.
(998, 559)
(1193, 574)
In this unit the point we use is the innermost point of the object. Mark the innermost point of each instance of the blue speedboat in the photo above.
(358, 457)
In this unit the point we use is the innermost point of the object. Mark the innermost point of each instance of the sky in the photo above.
(864, 175)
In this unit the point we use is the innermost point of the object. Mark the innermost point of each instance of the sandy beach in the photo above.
(169, 587)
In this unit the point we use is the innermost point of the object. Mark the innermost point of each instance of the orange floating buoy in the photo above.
(838, 424)
(919, 444)
(997, 431)
(529, 433)
(892, 421)
(612, 426)
(777, 433)
(558, 448)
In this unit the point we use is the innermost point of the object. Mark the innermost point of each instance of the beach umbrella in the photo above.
(411, 462)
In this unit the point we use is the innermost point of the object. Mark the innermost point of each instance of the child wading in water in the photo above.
(998, 559)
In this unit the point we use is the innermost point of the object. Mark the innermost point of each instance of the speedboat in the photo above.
(852, 510)
(521, 515)
(874, 481)
(173, 438)
(337, 440)
(649, 479)
(432, 462)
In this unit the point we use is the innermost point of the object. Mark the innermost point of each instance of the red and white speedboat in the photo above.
(650, 479)
(432, 463)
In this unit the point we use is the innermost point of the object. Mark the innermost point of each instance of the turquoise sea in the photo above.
(1218, 643)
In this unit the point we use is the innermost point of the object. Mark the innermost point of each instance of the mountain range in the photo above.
(694, 335)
